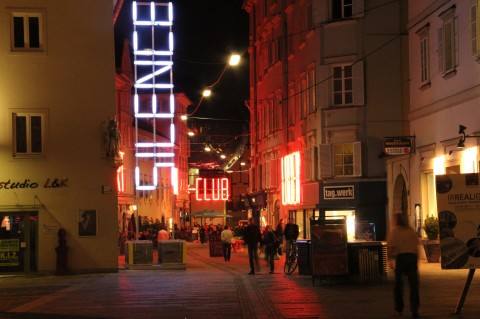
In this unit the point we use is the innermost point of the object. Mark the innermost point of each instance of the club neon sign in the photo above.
(291, 179)
(153, 66)
(211, 189)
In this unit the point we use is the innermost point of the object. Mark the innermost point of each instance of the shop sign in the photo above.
(211, 189)
(339, 192)
(397, 146)
(9, 249)
(27, 183)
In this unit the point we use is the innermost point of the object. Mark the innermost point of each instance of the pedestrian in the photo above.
(252, 237)
(403, 257)
(291, 235)
(226, 237)
(202, 235)
(279, 232)
(270, 243)
(162, 234)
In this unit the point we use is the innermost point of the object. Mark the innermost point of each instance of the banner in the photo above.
(458, 203)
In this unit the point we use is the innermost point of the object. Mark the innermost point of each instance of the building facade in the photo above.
(57, 141)
(328, 83)
(444, 94)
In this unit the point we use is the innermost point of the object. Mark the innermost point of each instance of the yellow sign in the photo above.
(9, 249)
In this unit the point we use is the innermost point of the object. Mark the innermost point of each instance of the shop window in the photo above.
(27, 31)
(28, 134)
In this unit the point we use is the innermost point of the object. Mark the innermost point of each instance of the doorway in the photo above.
(18, 241)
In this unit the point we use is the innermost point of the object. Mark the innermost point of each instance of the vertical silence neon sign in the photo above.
(291, 179)
(211, 189)
(153, 67)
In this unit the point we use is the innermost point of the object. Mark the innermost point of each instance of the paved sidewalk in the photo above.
(213, 288)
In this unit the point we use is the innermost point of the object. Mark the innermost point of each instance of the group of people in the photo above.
(271, 240)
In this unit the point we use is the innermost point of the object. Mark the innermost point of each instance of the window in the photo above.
(342, 9)
(343, 159)
(342, 85)
(447, 42)
(27, 31)
(347, 84)
(28, 134)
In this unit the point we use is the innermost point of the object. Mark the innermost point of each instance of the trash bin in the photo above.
(172, 251)
(304, 258)
(367, 261)
(139, 252)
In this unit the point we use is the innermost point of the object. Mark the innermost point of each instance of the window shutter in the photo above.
(273, 173)
(455, 42)
(320, 10)
(477, 27)
(440, 50)
(315, 163)
(325, 161)
(358, 8)
(357, 159)
(307, 167)
(358, 84)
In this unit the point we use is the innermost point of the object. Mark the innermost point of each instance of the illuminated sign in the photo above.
(121, 176)
(339, 192)
(153, 66)
(397, 146)
(291, 179)
(211, 189)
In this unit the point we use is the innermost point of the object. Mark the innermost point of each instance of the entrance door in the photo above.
(18, 242)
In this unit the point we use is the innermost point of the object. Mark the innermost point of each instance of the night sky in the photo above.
(205, 34)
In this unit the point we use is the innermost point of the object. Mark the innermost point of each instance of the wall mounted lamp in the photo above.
(461, 141)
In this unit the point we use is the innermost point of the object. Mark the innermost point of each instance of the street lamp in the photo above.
(233, 61)
(461, 141)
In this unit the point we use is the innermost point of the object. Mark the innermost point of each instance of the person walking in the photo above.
(279, 233)
(291, 235)
(252, 237)
(403, 257)
(226, 237)
(270, 243)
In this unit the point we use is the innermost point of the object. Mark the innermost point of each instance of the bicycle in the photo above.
(291, 260)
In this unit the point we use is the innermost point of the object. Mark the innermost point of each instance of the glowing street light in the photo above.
(234, 59)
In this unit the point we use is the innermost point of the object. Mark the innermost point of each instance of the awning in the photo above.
(209, 214)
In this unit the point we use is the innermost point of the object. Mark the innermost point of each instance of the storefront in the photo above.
(361, 204)
(18, 241)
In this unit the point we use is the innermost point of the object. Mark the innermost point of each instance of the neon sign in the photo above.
(291, 179)
(211, 189)
(153, 66)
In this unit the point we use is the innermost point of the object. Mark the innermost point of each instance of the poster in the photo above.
(9, 252)
(87, 222)
(329, 249)
(458, 203)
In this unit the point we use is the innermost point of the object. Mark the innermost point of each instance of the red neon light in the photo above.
(211, 189)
